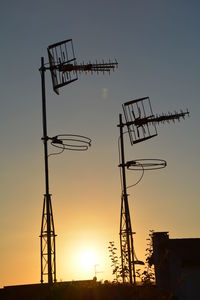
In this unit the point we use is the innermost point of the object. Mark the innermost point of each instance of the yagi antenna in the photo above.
(64, 68)
(167, 117)
(141, 122)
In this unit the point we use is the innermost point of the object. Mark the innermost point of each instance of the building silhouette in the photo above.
(177, 265)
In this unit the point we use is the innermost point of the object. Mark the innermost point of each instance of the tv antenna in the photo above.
(141, 125)
(64, 70)
(96, 271)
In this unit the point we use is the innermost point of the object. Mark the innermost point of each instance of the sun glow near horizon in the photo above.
(84, 263)
(86, 260)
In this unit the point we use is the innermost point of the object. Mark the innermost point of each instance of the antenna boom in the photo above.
(97, 67)
(163, 118)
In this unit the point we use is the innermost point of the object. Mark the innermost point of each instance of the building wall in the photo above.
(177, 265)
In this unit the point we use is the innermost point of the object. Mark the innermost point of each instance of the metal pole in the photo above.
(44, 121)
(47, 195)
(129, 234)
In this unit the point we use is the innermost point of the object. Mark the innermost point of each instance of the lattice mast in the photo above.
(141, 124)
(64, 70)
(126, 234)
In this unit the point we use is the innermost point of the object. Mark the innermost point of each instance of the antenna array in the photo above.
(141, 124)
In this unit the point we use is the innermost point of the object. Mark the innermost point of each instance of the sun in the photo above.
(83, 260)
(87, 259)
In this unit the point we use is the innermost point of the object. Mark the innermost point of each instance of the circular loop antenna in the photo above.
(72, 142)
(146, 164)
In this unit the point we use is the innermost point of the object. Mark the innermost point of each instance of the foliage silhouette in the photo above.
(147, 276)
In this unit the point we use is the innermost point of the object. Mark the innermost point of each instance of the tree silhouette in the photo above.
(147, 276)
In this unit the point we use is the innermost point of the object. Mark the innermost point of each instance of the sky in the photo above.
(157, 46)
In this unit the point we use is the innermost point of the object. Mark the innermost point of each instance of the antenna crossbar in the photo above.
(96, 67)
(168, 117)
(159, 119)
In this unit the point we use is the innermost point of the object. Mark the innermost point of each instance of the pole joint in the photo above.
(45, 138)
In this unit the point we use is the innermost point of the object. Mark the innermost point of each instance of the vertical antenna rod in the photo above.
(47, 237)
(126, 234)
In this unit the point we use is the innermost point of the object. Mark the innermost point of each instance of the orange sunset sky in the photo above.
(157, 46)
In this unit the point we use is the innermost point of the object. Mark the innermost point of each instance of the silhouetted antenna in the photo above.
(72, 142)
(134, 112)
(145, 164)
(64, 68)
(164, 118)
(97, 67)
(141, 124)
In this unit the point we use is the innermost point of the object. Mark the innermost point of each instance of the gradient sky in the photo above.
(157, 46)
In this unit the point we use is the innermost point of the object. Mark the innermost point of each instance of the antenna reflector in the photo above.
(137, 114)
(61, 54)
